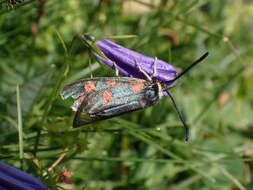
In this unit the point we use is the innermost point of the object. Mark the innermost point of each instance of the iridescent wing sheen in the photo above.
(83, 118)
(77, 89)
(83, 88)
(116, 100)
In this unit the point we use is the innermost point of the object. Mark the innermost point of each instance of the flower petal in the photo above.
(15, 179)
(126, 59)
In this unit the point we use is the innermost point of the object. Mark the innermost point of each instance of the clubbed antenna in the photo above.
(186, 127)
(191, 66)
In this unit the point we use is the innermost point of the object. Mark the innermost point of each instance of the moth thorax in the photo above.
(160, 90)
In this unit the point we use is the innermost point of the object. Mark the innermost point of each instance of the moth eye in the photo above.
(151, 94)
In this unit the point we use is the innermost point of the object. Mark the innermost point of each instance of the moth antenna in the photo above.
(186, 127)
(191, 66)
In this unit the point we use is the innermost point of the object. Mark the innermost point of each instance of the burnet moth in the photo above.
(101, 98)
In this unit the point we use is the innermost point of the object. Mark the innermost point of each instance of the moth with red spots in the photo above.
(102, 98)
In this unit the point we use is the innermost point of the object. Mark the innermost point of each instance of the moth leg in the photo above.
(154, 69)
(116, 69)
(142, 71)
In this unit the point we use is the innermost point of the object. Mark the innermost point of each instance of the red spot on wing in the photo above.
(135, 80)
(110, 83)
(89, 86)
(107, 96)
(137, 88)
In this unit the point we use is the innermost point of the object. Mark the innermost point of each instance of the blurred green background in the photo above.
(145, 149)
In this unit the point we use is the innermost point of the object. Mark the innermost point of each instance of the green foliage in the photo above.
(144, 149)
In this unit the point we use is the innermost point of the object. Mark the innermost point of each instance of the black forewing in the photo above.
(123, 100)
(76, 89)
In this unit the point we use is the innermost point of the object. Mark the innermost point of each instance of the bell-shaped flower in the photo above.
(14, 179)
(130, 63)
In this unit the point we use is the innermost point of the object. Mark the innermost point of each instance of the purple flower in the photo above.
(14, 179)
(126, 62)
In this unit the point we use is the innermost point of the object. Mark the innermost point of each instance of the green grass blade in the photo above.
(20, 125)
